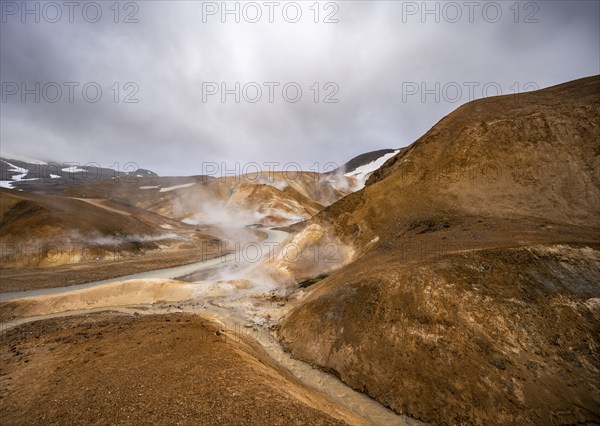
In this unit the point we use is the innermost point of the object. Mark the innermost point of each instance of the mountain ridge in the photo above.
(478, 289)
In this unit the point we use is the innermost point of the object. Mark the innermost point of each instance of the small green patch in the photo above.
(311, 281)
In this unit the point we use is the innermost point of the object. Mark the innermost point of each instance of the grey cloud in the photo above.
(370, 53)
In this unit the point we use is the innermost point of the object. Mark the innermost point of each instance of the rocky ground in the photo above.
(473, 289)
(178, 369)
(19, 279)
(501, 336)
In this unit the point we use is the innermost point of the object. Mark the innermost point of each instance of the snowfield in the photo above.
(72, 169)
(362, 173)
(171, 188)
(8, 183)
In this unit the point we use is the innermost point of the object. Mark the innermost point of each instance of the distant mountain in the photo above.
(143, 173)
(363, 160)
(362, 166)
(35, 175)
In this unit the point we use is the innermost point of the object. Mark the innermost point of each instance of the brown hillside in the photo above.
(474, 294)
(50, 230)
(269, 198)
(534, 155)
(149, 369)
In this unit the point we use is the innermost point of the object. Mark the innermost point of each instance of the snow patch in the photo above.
(171, 188)
(362, 173)
(72, 169)
(18, 170)
(149, 187)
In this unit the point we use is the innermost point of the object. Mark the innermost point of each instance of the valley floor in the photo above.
(22, 279)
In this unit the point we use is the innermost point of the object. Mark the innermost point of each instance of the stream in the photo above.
(236, 315)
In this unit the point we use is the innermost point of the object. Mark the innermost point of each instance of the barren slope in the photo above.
(269, 198)
(159, 369)
(474, 291)
(529, 155)
(42, 236)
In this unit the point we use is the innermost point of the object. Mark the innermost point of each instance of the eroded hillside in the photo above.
(472, 295)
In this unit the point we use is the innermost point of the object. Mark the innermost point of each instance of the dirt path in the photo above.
(101, 203)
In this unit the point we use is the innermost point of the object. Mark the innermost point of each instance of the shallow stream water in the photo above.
(238, 315)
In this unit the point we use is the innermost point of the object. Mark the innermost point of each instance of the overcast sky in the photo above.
(375, 61)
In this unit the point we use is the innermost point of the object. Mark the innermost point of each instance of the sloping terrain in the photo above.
(156, 369)
(471, 293)
(529, 155)
(41, 215)
(274, 198)
(361, 160)
(40, 176)
(361, 167)
(49, 240)
(117, 225)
